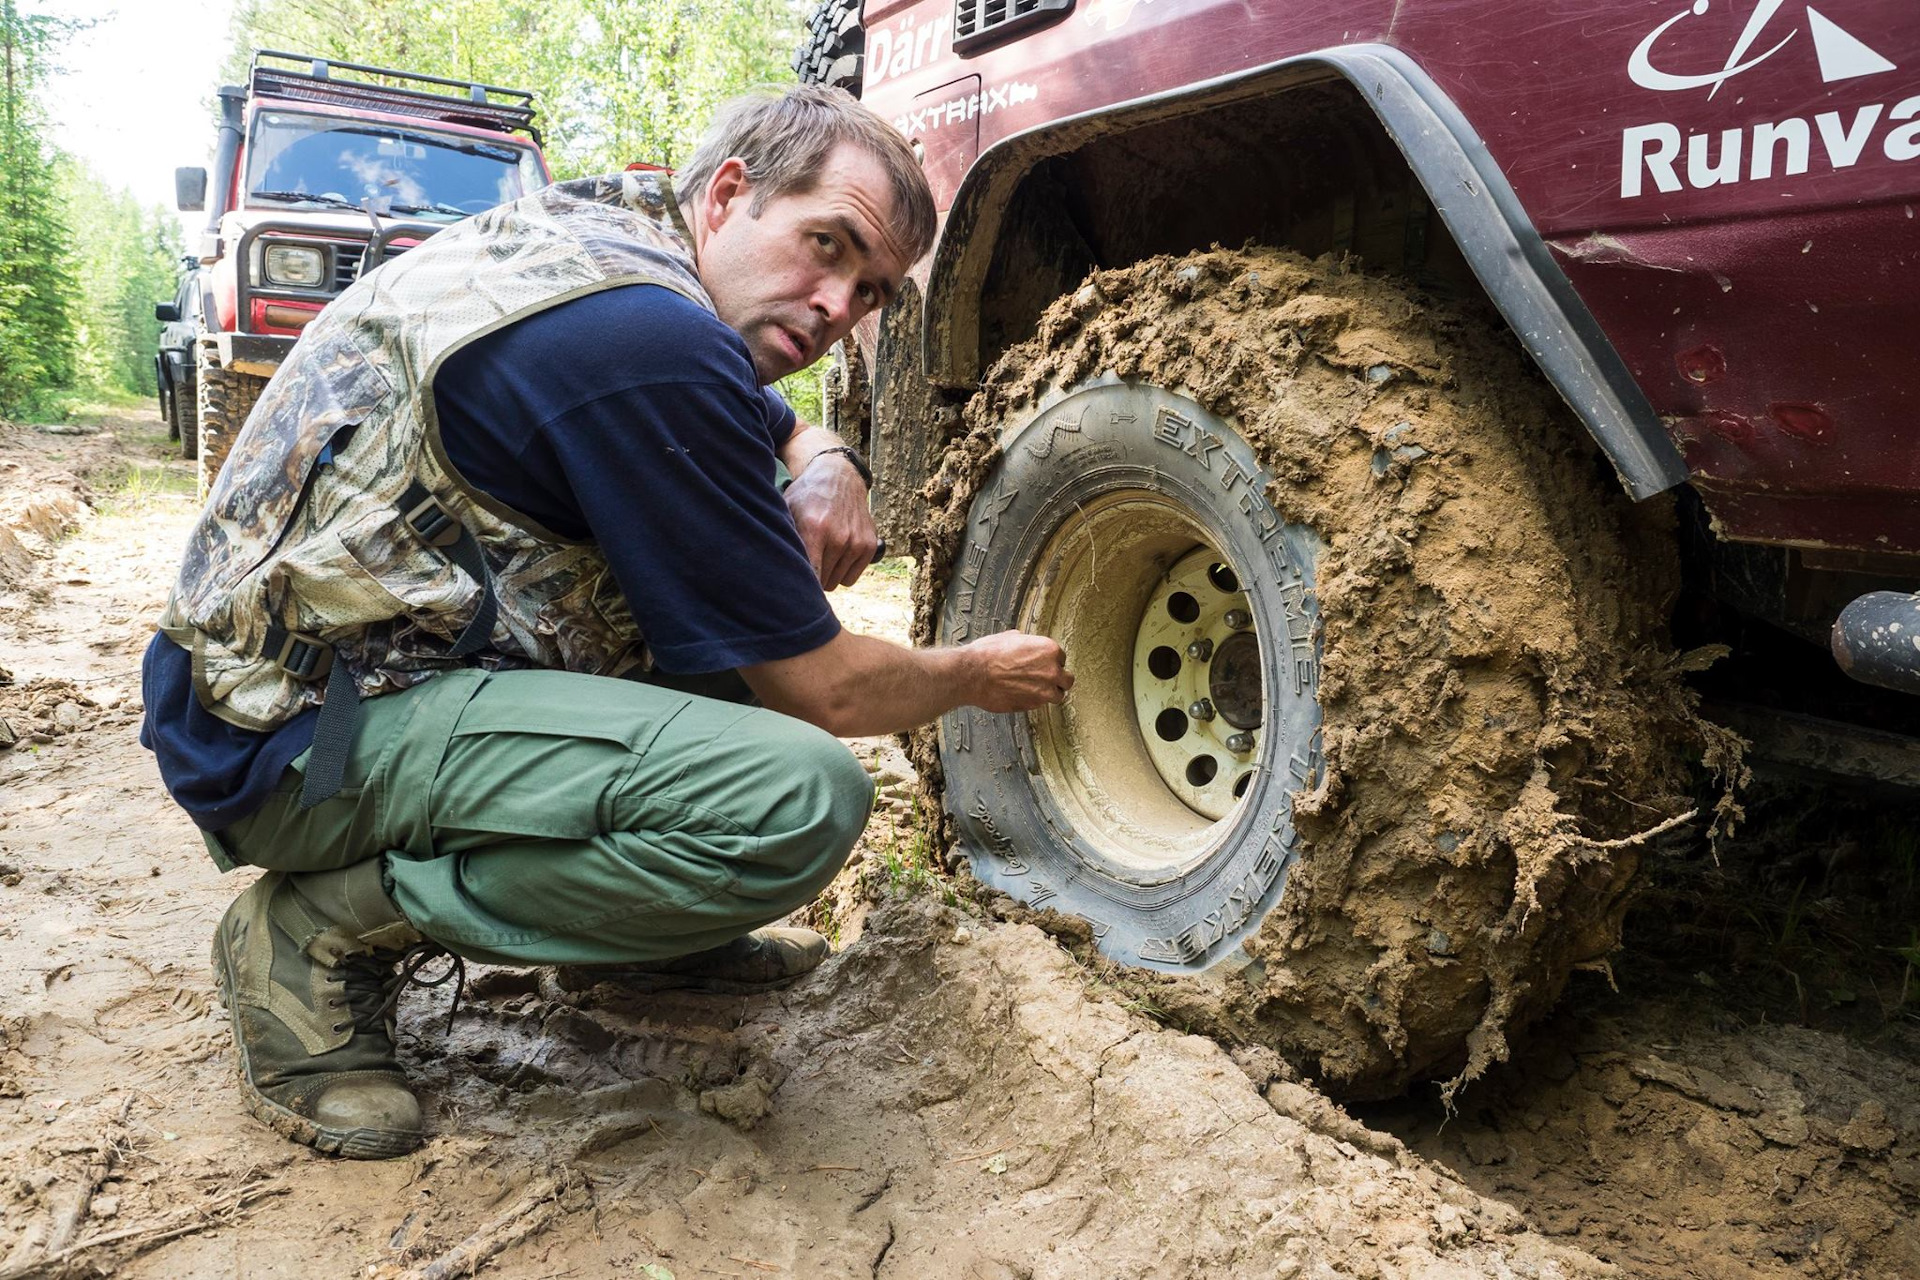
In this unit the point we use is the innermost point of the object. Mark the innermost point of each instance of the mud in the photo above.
(949, 1096)
(41, 502)
(1673, 1140)
(1504, 731)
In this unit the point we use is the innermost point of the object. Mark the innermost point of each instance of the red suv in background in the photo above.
(323, 169)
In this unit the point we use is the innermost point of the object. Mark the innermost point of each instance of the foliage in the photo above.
(132, 262)
(38, 293)
(613, 80)
(802, 391)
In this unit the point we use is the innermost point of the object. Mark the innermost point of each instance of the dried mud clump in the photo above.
(1504, 727)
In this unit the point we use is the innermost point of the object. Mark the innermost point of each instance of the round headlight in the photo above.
(294, 265)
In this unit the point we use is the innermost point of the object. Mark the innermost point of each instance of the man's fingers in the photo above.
(856, 566)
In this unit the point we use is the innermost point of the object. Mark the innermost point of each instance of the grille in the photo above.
(984, 21)
(346, 265)
(346, 262)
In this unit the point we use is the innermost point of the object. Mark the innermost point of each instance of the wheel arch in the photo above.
(1004, 251)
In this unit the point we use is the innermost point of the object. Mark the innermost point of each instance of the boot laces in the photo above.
(374, 981)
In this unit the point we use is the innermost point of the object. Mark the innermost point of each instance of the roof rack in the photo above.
(311, 79)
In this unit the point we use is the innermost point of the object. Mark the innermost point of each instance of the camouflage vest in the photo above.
(325, 537)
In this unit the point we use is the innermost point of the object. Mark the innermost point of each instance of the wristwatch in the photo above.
(852, 455)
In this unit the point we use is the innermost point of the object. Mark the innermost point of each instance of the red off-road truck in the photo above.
(321, 170)
(1411, 417)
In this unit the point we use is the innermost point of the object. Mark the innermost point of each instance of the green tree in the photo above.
(132, 261)
(38, 293)
(614, 80)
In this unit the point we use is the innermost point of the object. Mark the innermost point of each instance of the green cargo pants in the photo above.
(544, 817)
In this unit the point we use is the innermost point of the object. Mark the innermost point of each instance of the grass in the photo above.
(129, 487)
(907, 858)
(76, 405)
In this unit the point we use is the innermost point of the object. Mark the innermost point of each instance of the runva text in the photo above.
(1778, 149)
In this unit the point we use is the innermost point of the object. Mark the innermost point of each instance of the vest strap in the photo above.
(426, 516)
(332, 738)
(333, 734)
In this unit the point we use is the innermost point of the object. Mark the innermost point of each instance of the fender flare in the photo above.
(1465, 186)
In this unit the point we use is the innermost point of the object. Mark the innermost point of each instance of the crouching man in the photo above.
(428, 657)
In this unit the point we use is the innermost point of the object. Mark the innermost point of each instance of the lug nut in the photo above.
(1239, 619)
(1201, 710)
(1240, 743)
(1200, 650)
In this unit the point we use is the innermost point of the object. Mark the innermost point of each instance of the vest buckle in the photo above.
(433, 522)
(304, 657)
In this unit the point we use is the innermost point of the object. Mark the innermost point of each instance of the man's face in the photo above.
(794, 280)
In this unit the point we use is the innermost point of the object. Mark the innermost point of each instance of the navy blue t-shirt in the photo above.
(631, 417)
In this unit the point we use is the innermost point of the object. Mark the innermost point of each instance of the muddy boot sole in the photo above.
(584, 977)
(354, 1144)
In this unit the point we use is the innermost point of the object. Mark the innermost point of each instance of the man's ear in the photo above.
(729, 192)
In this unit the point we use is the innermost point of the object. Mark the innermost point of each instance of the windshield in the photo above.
(307, 160)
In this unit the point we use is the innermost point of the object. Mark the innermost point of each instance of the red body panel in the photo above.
(1765, 302)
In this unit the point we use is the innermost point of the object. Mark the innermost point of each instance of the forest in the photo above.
(82, 262)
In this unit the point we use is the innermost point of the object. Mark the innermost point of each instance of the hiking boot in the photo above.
(305, 963)
(763, 960)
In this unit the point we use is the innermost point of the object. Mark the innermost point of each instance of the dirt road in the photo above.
(951, 1095)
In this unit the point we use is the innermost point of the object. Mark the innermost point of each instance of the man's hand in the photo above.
(1019, 672)
(828, 502)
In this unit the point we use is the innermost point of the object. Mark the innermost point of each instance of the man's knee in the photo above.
(839, 792)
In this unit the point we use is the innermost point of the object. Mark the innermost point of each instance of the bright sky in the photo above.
(133, 101)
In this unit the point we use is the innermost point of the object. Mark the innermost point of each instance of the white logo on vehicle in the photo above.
(1652, 154)
(963, 107)
(1842, 55)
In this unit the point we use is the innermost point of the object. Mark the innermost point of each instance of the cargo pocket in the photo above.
(541, 753)
(435, 593)
(324, 586)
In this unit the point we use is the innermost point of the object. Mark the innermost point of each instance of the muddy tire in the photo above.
(225, 397)
(1370, 709)
(831, 51)
(184, 403)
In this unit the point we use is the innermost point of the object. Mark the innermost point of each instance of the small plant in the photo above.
(906, 857)
(130, 487)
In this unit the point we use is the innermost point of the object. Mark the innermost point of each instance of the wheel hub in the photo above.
(1197, 688)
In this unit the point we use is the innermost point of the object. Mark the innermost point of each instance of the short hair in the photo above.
(785, 136)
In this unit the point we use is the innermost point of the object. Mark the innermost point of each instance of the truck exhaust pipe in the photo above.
(1876, 640)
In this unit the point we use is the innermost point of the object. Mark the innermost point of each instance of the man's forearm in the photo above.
(855, 686)
(879, 687)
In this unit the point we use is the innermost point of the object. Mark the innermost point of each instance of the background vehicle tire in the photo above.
(225, 399)
(186, 419)
(833, 48)
(1462, 727)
